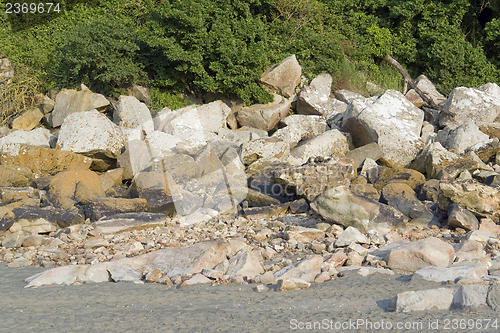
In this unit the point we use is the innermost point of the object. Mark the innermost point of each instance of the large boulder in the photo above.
(97, 208)
(403, 198)
(392, 121)
(313, 178)
(43, 161)
(340, 205)
(284, 77)
(360, 154)
(412, 256)
(464, 136)
(161, 143)
(481, 200)
(435, 159)
(40, 137)
(315, 98)
(299, 127)
(170, 261)
(70, 187)
(133, 116)
(264, 148)
(71, 101)
(328, 144)
(412, 178)
(141, 93)
(264, 116)
(469, 104)
(92, 134)
(213, 116)
(15, 176)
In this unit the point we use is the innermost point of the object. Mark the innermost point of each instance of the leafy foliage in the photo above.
(224, 46)
(101, 54)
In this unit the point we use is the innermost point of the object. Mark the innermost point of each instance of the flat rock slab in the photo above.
(466, 269)
(471, 296)
(441, 299)
(306, 269)
(170, 261)
(129, 221)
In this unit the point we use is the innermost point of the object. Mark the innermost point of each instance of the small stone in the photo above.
(237, 279)
(154, 275)
(350, 235)
(267, 278)
(212, 273)
(292, 284)
(198, 279)
(337, 259)
(261, 288)
(318, 247)
(165, 280)
(33, 240)
(322, 277)
(354, 259)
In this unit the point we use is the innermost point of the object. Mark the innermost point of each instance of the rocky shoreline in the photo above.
(102, 190)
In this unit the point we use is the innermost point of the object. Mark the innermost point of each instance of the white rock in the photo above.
(70, 101)
(283, 77)
(455, 272)
(465, 136)
(245, 263)
(313, 98)
(441, 299)
(392, 121)
(471, 296)
(132, 114)
(480, 236)
(64, 275)
(292, 284)
(161, 143)
(88, 132)
(38, 137)
(415, 255)
(327, 144)
(350, 235)
(469, 104)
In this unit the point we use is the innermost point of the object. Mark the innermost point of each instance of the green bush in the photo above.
(102, 54)
(207, 46)
(161, 99)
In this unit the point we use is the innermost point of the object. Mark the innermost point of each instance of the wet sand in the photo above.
(128, 307)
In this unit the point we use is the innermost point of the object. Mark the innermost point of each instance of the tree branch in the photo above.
(393, 62)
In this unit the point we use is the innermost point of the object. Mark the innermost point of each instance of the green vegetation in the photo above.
(223, 46)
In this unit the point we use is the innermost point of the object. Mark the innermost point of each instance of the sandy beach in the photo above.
(348, 304)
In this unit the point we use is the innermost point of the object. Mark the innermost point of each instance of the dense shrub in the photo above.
(224, 46)
(101, 53)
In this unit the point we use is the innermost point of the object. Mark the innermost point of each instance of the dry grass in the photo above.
(16, 97)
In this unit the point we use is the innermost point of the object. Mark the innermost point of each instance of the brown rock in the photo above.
(337, 259)
(306, 269)
(284, 77)
(292, 284)
(70, 187)
(27, 120)
(410, 177)
(44, 161)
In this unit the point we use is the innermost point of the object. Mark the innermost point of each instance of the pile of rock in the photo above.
(383, 166)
